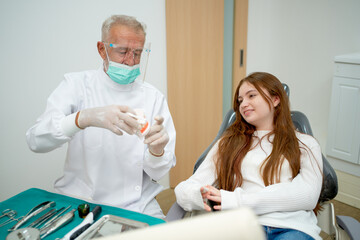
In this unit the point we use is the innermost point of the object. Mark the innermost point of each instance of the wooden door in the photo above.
(194, 32)
(240, 41)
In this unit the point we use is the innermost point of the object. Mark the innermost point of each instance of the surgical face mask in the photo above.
(121, 73)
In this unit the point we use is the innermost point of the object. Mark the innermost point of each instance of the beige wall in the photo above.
(297, 41)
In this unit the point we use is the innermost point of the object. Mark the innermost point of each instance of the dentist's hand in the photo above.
(157, 138)
(113, 118)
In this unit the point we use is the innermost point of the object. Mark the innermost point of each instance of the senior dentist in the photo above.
(93, 111)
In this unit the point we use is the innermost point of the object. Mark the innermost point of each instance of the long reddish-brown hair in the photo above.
(237, 139)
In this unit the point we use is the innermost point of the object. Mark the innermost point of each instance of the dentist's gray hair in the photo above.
(124, 20)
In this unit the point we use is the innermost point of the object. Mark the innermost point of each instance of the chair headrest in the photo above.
(287, 89)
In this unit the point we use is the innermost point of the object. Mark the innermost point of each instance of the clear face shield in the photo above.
(144, 61)
(127, 61)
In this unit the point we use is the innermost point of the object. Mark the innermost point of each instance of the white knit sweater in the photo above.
(287, 204)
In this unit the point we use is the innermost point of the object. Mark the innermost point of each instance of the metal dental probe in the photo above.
(60, 222)
(53, 219)
(45, 217)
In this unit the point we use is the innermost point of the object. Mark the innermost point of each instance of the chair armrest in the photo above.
(350, 225)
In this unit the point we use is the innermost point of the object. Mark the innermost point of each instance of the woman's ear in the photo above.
(276, 101)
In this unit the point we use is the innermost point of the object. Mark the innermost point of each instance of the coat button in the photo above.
(137, 188)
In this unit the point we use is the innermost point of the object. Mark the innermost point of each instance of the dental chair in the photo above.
(338, 227)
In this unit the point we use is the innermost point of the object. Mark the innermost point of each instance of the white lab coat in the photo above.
(100, 165)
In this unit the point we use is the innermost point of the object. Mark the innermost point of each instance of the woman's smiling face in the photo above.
(254, 108)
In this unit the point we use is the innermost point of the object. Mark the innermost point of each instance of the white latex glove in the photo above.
(157, 138)
(112, 117)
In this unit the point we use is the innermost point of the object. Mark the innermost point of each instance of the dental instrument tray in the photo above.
(109, 225)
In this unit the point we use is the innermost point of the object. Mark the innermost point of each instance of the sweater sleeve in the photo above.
(302, 193)
(187, 193)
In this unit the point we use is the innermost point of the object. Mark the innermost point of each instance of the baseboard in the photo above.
(349, 189)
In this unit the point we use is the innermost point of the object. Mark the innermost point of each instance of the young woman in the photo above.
(261, 162)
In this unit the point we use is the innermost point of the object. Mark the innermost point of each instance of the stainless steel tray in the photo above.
(109, 225)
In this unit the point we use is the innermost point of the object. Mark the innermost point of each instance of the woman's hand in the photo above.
(211, 193)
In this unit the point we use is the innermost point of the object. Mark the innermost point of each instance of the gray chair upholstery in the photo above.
(227, 121)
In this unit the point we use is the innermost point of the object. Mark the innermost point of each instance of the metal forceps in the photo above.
(10, 214)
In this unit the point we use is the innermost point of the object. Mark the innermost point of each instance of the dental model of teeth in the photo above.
(140, 117)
